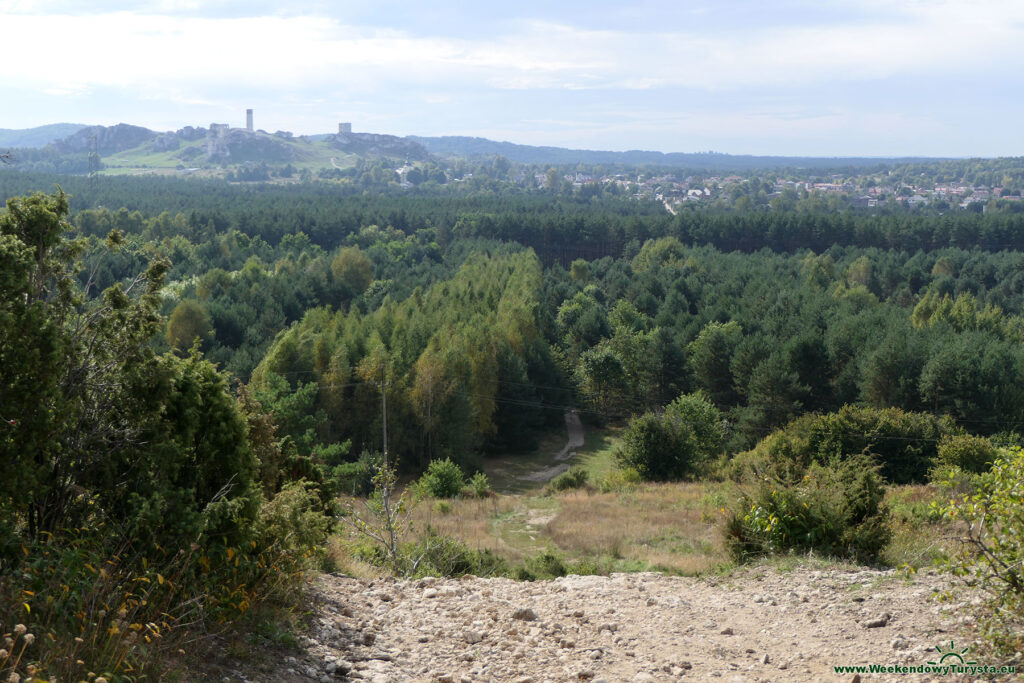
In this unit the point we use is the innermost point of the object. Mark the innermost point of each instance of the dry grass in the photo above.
(667, 526)
(671, 527)
(505, 525)
(471, 520)
(340, 558)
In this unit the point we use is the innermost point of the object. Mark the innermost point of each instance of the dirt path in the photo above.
(758, 624)
(574, 428)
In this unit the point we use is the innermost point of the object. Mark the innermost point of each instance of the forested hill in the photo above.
(482, 148)
(470, 147)
(40, 136)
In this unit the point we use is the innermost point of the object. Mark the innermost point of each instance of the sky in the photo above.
(780, 77)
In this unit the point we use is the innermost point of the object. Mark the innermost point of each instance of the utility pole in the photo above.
(384, 412)
(94, 157)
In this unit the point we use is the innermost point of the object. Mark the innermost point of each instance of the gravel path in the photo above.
(758, 624)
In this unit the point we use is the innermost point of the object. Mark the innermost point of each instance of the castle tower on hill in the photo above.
(344, 127)
(248, 120)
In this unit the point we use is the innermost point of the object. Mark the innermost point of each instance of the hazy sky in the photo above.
(814, 77)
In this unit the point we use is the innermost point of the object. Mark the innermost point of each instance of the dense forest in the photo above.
(606, 304)
(201, 365)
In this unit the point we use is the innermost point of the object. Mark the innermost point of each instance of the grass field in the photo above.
(309, 155)
(139, 158)
(674, 527)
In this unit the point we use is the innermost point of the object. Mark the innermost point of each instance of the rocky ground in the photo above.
(756, 624)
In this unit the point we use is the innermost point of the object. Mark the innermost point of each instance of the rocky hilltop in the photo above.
(373, 144)
(237, 145)
(109, 139)
(756, 625)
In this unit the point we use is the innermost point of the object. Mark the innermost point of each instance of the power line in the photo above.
(634, 405)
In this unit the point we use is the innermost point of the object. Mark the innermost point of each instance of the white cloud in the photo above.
(177, 60)
(128, 50)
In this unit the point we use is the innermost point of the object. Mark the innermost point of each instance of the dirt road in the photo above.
(574, 430)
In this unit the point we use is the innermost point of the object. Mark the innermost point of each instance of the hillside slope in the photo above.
(40, 136)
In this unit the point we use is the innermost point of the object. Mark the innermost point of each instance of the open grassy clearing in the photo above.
(667, 527)
(671, 527)
(140, 157)
(597, 456)
(510, 526)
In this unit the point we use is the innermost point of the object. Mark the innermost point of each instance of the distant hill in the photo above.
(472, 148)
(125, 148)
(128, 148)
(108, 139)
(40, 136)
(372, 144)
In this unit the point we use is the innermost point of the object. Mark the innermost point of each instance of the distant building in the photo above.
(344, 128)
(248, 120)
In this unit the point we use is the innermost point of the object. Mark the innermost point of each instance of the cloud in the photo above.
(133, 50)
(702, 69)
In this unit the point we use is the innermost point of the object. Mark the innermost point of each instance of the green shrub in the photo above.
(356, 478)
(592, 566)
(434, 555)
(294, 524)
(479, 486)
(443, 479)
(1007, 439)
(903, 443)
(438, 555)
(384, 519)
(835, 510)
(134, 511)
(954, 481)
(993, 556)
(967, 452)
(575, 478)
(546, 565)
(675, 445)
(619, 480)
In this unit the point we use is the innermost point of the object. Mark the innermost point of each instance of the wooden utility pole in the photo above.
(384, 412)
